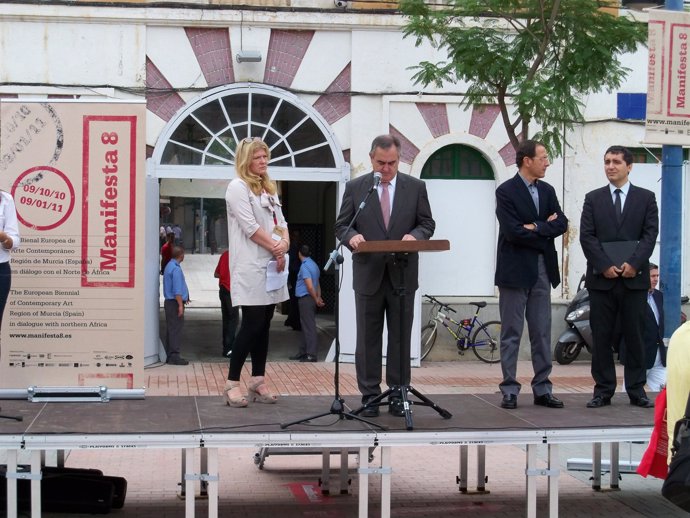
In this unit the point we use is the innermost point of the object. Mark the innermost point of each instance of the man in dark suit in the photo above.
(398, 210)
(529, 218)
(627, 215)
(653, 334)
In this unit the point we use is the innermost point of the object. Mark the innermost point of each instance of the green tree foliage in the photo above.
(536, 59)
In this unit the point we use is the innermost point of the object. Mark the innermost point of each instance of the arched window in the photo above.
(457, 162)
(205, 135)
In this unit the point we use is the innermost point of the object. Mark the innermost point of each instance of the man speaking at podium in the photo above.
(399, 210)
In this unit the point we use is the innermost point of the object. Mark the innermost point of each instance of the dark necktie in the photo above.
(617, 205)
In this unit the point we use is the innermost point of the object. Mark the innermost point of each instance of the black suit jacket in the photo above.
(653, 333)
(518, 248)
(639, 222)
(410, 214)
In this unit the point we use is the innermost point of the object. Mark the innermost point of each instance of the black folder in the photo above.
(619, 251)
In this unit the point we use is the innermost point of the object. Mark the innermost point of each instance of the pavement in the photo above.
(424, 478)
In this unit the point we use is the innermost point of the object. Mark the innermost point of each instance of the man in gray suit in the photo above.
(617, 217)
(398, 210)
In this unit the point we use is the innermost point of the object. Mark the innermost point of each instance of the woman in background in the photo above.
(9, 239)
(257, 234)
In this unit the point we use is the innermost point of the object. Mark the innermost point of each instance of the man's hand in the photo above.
(613, 272)
(280, 263)
(552, 217)
(628, 271)
(409, 237)
(530, 226)
(356, 240)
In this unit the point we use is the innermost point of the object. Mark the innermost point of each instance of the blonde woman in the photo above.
(9, 239)
(257, 234)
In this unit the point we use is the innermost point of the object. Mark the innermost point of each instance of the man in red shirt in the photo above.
(167, 250)
(231, 315)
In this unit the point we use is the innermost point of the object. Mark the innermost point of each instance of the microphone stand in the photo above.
(12, 417)
(338, 404)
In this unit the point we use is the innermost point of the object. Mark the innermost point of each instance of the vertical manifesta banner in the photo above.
(668, 106)
(74, 315)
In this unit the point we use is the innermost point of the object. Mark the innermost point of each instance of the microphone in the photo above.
(377, 179)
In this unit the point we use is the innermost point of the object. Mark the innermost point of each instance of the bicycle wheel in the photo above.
(486, 342)
(429, 333)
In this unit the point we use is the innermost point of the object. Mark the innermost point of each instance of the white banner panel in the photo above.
(76, 171)
(668, 110)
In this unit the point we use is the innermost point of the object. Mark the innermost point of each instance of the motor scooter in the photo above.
(579, 333)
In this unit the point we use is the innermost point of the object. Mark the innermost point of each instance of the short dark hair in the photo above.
(653, 266)
(526, 149)
(385, 142)
(621, 150)
(305, 250)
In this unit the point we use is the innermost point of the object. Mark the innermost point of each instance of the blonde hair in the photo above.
(244, 154)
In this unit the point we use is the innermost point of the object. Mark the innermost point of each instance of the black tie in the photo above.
(617, 205)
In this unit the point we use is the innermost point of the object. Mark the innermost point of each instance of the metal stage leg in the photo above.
(363, 471)
(481, 469)
(344, 475)
(11, 481)
(213, 482)
(325, 471)
(596, 466)
(615, 466)
(531, 481)
(188, 454)
(462, 480)
(386, 475)
(554, 472)
(36, 484)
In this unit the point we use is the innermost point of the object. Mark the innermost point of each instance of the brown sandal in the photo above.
(259, 392)
(233, 395)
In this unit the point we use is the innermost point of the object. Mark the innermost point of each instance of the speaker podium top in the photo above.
(392, 246)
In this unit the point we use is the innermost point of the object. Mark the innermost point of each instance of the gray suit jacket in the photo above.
(640, 222)
(410, 214)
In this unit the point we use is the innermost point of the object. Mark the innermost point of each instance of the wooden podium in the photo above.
(400, 250)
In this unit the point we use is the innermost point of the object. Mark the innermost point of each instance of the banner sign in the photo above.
(76, 171)
(668, 109)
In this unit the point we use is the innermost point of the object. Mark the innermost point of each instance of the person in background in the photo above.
(618, 215)
(176, 298)
(308, 292)
(653, 334)
(258, 234)
(167, 250)
(9, 239)
(399, 210)
(178, 234)
(529, 218)
(231, 314)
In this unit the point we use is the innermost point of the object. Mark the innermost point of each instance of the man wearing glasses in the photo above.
(529, 219)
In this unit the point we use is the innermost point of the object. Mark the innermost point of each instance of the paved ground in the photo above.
(424, 478)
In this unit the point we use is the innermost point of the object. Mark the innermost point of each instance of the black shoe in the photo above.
(177, 360)
(509, 401)
(308, 358)
(395, 407)
(548, 400)
(643, 402)
(372, 411)
(598, 402)
(298, 356)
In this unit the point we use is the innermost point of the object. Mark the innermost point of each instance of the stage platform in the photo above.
(203, 423)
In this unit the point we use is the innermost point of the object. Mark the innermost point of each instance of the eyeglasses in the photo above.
(249, 140)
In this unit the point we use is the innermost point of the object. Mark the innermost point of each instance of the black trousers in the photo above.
(607, 308)
(251, 339)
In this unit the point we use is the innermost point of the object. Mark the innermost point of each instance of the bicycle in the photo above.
(485, 342)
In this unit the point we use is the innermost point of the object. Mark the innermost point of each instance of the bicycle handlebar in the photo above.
(436, 301)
